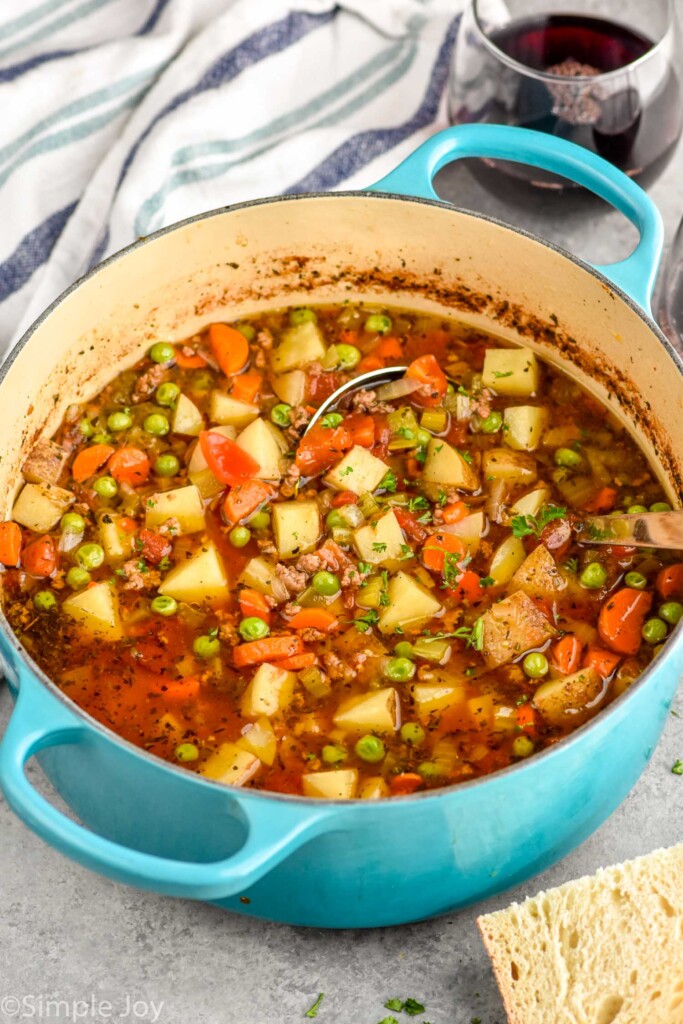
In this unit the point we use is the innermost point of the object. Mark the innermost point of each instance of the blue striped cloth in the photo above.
(123, 116)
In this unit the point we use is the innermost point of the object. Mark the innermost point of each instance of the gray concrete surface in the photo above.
(111, 953)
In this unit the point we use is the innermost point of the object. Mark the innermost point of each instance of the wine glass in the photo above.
(610, 82)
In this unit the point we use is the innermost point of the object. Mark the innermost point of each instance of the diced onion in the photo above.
(397, 389)
(494, 503)
(352, 516)
(69, 540)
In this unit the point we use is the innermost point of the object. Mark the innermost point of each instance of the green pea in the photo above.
(660, 506)
(44, 601)
(423, 437)
(671, 612)
(654, 631)
(522, 746)
(167, 465)
(635, 580)
(106, 487)
(333, 519)
(239, 536)
(164, 605)
(535, 665)
(634, 510)
(492, 423)
(202, 380)
(206, 647)
(412, 733)
(90, 556)
(118, 421)
(156, 424)
(404, 649)
(303, 315)
(567, 457)
(247, 331)
(331, 420)
(260, 520)
(593, 576)
(378, 323)
(187, 752)
(326, 583)
(77, 578)
(86, 428)
(281, 414)
(429, 770)
(253, 628)
(399, 670)
(167, 394)
(349, 356)
(162, 352)
(332, 754)
(72, 522)
(370, 748)
(101, 438)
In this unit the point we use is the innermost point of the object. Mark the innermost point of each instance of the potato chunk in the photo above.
(228, 411)
(45, 463)
(261, 575)
(296, 525)
(260, 441)
(470, 530)
(410, 605)
(430, 697)
(538, 575)
(231, 765)
(39, 507)
(96, 611)
(517, 468)
(377, 711)
(445, 467)
(181, 503)
(187, 419)
(511, 627)
(524, 426)
(531, 504)
(571, 699)
(260, 740)
(506, 560)
(197, 579)
(291, 387)
(374, 788)
(270, 691)
(117, 542)
(338, 784)
(359, 471)
(380, 544)
(300, 345)
(511, 371)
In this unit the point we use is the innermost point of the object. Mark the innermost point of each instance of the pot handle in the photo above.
(634, 275)
(276, 829)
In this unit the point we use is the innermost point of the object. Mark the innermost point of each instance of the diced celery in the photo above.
(370, 596)
(436, 651)
(435, 420)
(342, 535)
(313, 680)
(368, 505)
(352, 516)
(402, 419)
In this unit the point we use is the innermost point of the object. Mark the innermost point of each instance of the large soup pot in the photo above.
(355, 863)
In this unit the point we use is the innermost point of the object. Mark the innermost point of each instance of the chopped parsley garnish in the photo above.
(407, 433)
(572, 565)
(442, 500)
(460, 390)
(384, 595)
(525, 526)
(418, 502)
(498, 375)
(345, 472)
(364, 622)
(487, 581)
(595, 533)
(677, 767)
(421, 455)
(364, 568)
(452, 570)
(164, 564)
(467, 457)
(379, 546)
(313, 1011)
(389, 481)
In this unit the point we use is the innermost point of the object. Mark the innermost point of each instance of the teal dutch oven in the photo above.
(155, 826)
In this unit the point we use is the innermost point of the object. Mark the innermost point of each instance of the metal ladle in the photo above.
(638, 530)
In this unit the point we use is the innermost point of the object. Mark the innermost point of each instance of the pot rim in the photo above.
(342, 806)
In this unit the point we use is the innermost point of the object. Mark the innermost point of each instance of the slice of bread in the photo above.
(607, 949)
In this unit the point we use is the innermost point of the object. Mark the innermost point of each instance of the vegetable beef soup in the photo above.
(397, 600)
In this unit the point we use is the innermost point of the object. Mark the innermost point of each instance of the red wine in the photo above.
(607, 115)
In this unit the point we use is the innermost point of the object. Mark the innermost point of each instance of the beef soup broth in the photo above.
(391, 602)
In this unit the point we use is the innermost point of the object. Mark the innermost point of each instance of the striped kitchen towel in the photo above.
(123, 116)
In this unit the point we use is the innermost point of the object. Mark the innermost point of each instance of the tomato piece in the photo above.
(344, 498)
(361, 429)
(371, 362)
(669, 582)
(40, 557)
(227, 461)
(321, 448)
(390, 349)
(603, 501)
(405, 783)
(244, 499)
(409, 524)
(154, 546)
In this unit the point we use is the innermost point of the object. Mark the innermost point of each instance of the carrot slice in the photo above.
(129, 465)
(372, 362)
(603, 501)
(272, 648)
(566, 654)
(388, 348)
(405, 783)
(669, 582)
(298, 662)
(128, 524)
(40, 557)
(429, 374)
(621, 619)
(189, 362)
(467, 587)
(245, 498)
(347, 336)
(177, 690)
(10, 543)
(315, 618)
(526, 717)
(604, 662)
(436, 548)
(230, 348)
(254, 604)
(455, 512)
(344, 498)
(88, 461)
(226, 460)
(246, 386)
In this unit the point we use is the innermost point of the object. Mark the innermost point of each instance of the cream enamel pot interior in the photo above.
(353, 863)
